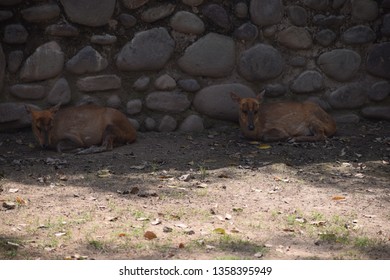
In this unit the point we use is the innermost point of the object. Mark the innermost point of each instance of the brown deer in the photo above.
(281, 121)
(82, 126)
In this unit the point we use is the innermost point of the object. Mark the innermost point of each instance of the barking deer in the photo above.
(87, 126)
(300, 122)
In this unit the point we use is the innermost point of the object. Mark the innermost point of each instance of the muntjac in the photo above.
(88, 126)
(281, 121)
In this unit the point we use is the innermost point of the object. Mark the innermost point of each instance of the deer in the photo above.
(89, 128)
(283, 121)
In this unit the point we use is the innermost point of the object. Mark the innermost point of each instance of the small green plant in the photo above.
(203, 172)
(96, 244)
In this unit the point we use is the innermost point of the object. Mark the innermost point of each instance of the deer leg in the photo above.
(274, 134)
(318, 135)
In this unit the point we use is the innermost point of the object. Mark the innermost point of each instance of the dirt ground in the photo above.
(207, 196)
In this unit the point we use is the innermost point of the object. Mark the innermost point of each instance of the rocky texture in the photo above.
(179, 60)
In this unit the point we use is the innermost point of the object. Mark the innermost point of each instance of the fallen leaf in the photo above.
(167, 229)
(318, 223)
(369, 216)
(181, 246)
(237, 209)
(149, 235)
(9, 205)
(113, 219)
(228, 217)
(338, 198)
(185, 177)
(134, 190)
(13, 190)
(59, 234)
(202, 186)
(263, 146)
(181, 225)
(156, 222)
(254, 142)
(219, 231)
(104, 173)
(20, 201)
(122, 234)
(289, 230)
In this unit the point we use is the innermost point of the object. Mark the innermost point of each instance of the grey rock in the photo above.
(10, 2)
(246, 32)
(192, 3)
(349, 96)
(341, 64)
(297, 15)
(192, 123)
(28, 91)
(15, 34)
(379, 91)
(142, 83)
(307, 82)
(378, 60)
(187, 22)
(62, 30)
(385, 30)
(298, 61)
(365, 10)
(2, 67)
(346, 118)
(158, 12)
(338, 4)
(270, 31)
(189, 85)
(135, 123)
(218, 15)
(150, 124)
(87, 60)
(134, 106)
(127, 20)
(60, 93)
(317, 4)
(295, 38)
(41, 13)
(377, 112)
(331, 21)
(325, 37)
(46, 62)
(261, 62)
(168, 102)
(106, 39)
(266, 12)
(215, 101)
(14, 116)
(114, 101)
(359, 34)
(275, 90)
(167, 124)
(241, 10)
(89, 12)
(149, 50)
(98, 83)
(4, 15)
(212, 55)
(165, 83)
(134, 4)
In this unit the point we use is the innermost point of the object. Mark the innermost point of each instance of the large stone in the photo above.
(149, 50)
(192, 123)
(365, 10)
(348, 97)
(246, 32)
(193, 3)
(297, 15)
(167, 124)
(41, 13)
(212, 55)
(165, 82)
(308, 81)
(218, 15)
(325, 37)
(341, 64)
(104, 40)
(2, 67)
(15, 34)
(89, 12)
(215, 101)
(379, 91)
(186, 22)
(295, 38)
(28, 91)
(378, 60)
(261, 62)
(62, 30)
(60, 93)
(158, 12)
(99, 83)
(166, 101)
(134, 106)
(9, 2)
(190, 85)
(46, 62)
(266, 12)
(134, 4)
(87, 60)
(377, 112)
(359, 34)
(4, 15)
(317, 4)
(14, 116)
(15, 59)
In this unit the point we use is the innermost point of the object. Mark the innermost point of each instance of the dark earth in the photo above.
(212, 195)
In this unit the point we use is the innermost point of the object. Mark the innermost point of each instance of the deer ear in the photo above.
(260, 96)
(235, 97)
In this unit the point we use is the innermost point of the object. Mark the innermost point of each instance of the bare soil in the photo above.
(213, 195)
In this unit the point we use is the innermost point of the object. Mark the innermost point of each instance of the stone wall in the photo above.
(171, 65)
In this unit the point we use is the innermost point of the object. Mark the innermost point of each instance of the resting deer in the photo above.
(283, 121)
(83, 126)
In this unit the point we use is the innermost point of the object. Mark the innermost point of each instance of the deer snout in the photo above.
(251, 127)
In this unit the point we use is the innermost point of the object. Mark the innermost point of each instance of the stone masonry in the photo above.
(171, 65)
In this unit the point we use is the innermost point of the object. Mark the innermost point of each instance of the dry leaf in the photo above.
(228, 217)
(113, 219)
(181, 246)
(104, 173)
(289, 230)
(149, 235)
(20, 201)
(181, 225)
(156, 222)
(263, 146)
(337, 197)
(13, 190)
(59, 234)
(219, 231)
(122, 234)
